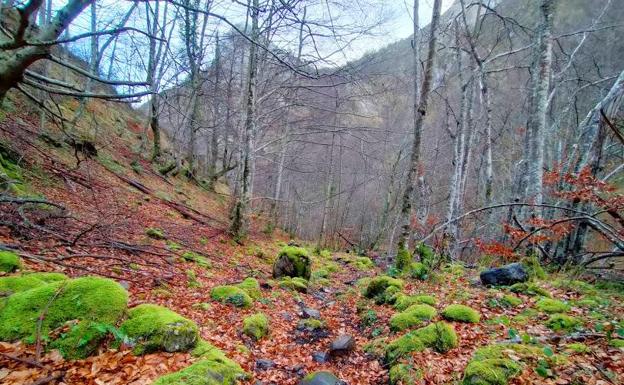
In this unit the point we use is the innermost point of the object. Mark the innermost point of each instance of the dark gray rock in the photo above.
(342, 345)
(505, 276)
(264, 364)
(321, 378)
(320, 357)
(308, 312)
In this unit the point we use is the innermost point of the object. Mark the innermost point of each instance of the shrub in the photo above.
(461, 313)
(151, 328)
(231, 295)
(256, 326)
(9, 261)
(550, 306)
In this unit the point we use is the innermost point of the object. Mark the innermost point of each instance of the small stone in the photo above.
(342, 345)
(264, 364)
(125, 284)
(308, 312)
(286, 316)
(320, 357)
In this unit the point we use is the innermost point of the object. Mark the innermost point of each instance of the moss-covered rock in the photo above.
(461, 313)
(214, 368)
(256, 325)
(412, 316)
(404, 301)
(296, 283)
(494, 371)
(47, 276)
(562, 322)
(548, 305)
(310, 324)
(9, 261)
(151, 328)
(15, 284)
(439, 336)
(530, 288)
(377, 287)
(251, 286)
(292, 261)
(320, 378)
(405, 374)
(82, 340)
(232, 295)
(86, 299)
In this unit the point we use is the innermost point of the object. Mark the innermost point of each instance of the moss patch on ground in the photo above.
(461, 313)
(562, 322)
(439, 336)
(548, 305)
(232, 295)
(151, 328)
(251, 286)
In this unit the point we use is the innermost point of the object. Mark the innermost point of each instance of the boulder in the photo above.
(342, 345)
(505, 276)
(308, 312)
(292, 261)
(321, 378)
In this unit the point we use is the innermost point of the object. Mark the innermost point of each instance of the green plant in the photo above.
(461, 313)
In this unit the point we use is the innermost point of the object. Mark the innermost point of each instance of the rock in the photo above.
(342, 345)
(308, 312)
(321, 378)
(299, 369)
(264, 364)
(125, 284)
(286, 316)
(505, 276)
(320, 357)
(292, 261)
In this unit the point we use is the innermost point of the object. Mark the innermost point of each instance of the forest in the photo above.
(311, 192)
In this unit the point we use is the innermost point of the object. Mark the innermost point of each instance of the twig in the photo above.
(22, 360)
(41, 318)
(47, 379)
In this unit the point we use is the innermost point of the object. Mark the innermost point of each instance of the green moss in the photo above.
(525, 316)
(251, 286)
(300, 260)
(494, 371)
(389, 295)
(412, 316)
(534, 268)
(232, 295)
(294, 283)
(403, 259)
(310, 324)
(191, 256)
(548, 305)
(155, 233)
(577, 347)
(378, 285)
(510, 300)
(320, 273)
(405, 374)
(562, 322)
(151, 328)
(47, 277)
(580, 287)
(617, 343)
(9, 261)
(439, 336)
(81, 341)
(15, 284)
(417, 270)
(88, 298)
(461, 313)
(256, 326)
(325, 253)
(214, 370)
(363, 263)
(201, 306)
(529, 289)
(404, 301)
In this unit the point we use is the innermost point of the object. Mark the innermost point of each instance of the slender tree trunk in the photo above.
(420, 110)
(239, 226)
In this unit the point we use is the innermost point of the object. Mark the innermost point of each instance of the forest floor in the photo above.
(110, 201)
